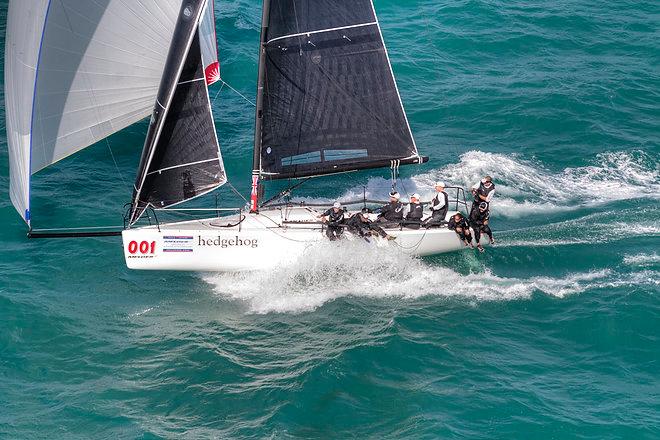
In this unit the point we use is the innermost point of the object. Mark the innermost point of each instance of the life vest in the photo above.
(483, 191)
(478, 218)
(442, 211)
(416, 212)
(336, 217)
(393, 211)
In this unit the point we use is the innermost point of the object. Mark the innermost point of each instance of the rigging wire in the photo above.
(224, 83)
(218, 93)
(123, 181)
(236, 191)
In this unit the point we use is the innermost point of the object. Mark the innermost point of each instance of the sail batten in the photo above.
(320, 31)
(330, 101)
(214, 159)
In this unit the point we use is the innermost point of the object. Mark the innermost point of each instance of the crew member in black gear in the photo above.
(483, 192)
(333, 218)
(391, 214)
(459, 224)
(479, 221)
(415, 213)
(439, 206)
(360, 225)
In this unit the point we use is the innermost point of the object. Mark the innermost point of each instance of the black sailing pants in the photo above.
(478, 229)
(437, 218)
(333, 232)
(464, 234)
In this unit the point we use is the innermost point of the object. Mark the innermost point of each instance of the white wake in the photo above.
(527, 187)
(356, 269)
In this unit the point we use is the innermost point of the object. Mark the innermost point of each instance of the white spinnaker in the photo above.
(208, 44)
(76, 72)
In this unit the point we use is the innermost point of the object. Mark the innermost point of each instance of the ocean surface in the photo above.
(552, 334)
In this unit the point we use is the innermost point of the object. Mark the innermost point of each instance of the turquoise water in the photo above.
(554, 333)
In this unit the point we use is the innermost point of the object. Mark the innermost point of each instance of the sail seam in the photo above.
(181, 165)
(322, 31)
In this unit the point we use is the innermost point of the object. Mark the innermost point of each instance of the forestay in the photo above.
(330, 101)
(76, 72)
(181, 157)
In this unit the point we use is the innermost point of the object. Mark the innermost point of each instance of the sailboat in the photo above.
(327, 102)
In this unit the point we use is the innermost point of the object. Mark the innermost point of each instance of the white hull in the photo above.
(260, 241)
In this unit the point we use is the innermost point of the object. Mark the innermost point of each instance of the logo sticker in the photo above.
(212, 73)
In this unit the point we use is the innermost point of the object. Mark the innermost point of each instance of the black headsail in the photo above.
(329, 102)
(181, 158)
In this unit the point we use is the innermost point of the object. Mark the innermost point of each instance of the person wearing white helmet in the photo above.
(392, 213)
(415, 212)
(333, 218)
(439, 206)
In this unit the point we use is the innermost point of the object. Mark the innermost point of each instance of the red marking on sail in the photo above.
(212, 73)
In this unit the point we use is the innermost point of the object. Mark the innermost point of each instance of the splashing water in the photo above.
(526, 187)
(354, 269)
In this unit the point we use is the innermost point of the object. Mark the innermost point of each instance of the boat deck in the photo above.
(296, 217)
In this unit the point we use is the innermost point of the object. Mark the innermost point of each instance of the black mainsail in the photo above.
(327, 99)
(181, 157)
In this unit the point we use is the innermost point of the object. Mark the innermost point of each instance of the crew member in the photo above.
(479, 221)
(439, 206)
(360, 225)
(458, 224)
(392, 213)
(333, 218)
(483, 192)
(415, 212)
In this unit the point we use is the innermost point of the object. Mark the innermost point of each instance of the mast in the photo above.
(256, 157)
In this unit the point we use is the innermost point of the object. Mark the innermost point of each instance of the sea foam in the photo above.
(354, 269)
(526, 187)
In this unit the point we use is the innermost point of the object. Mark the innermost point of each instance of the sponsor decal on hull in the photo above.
(178, 243)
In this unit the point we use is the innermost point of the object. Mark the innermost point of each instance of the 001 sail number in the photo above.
(144, 247)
